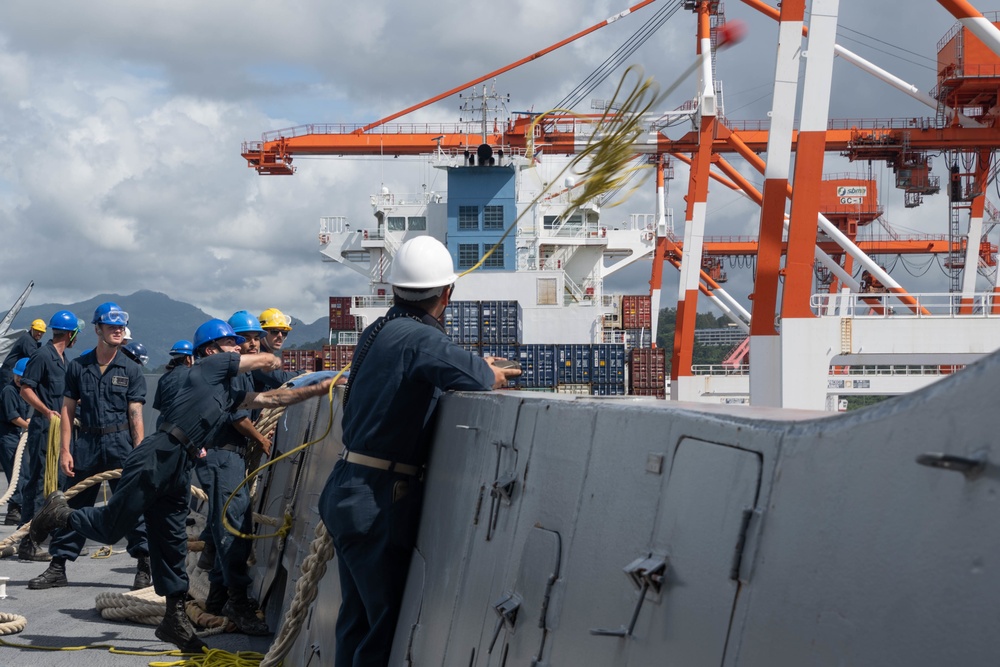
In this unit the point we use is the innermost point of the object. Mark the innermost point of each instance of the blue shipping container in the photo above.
(461, 322)
(638, 338)
(499, 322)
(608, 389)
(573, 362)
(608, 362)
(538, 366)
(506, 352)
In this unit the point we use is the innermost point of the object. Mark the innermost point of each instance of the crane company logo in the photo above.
(852, 194)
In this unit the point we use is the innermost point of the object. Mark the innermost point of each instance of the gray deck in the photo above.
(67, 616)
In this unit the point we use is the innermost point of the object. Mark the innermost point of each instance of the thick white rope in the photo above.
(11, 624)
(16, 472)
(306, 588)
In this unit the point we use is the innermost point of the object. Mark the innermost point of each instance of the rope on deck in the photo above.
(12, 623)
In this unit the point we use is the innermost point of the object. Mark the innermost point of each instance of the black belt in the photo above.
(104, 430)
(181, 437)
(239, 449)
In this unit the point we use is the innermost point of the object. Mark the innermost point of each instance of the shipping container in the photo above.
(636, 312)
(608, 364)
(606, 389)
(461, 322)
(638, 338)
(538, 366)
(336, 357)
(300, 360)
(573, 362)
(574, 388)
(499, 322)
(647, 370)
(505, 352)
(340, 314)
(658, 392)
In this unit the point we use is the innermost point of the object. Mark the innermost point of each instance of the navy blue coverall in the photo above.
(104, 438)
(219, 473)
(24, 346)
(166, 388)
(12, 406)
(373, 515)
(46, 375)
(156, 479)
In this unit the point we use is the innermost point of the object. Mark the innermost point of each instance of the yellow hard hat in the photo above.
(272, 318)
(38, 325)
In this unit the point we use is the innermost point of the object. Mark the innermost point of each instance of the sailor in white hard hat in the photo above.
(371, 502)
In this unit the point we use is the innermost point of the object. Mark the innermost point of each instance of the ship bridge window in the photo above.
(546, 291)
(468, 255)
(468, 218)
(554, 221)
(417, 223)
(396, 223)
(493, 217)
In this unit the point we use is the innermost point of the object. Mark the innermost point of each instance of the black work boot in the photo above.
(13, 517)
(243, 612)
(54, 514)
(176, 628)
(53, 577)
(143, 576)
(27, 550)
(218, 595)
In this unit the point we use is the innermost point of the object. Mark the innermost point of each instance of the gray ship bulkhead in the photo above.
(635, 532)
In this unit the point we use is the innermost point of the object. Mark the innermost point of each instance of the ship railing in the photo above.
(844, 124)
(894, 370)
(471, 128)
(372, 301)
(719, 369)
(574, 293)
(574, 231)
(884, 305)
(344, 337)
(390, 199)
(840, 371)
(330, 225)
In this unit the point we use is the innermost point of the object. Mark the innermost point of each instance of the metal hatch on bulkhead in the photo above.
(665, 596)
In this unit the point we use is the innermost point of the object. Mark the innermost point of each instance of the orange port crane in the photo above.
(903, 143)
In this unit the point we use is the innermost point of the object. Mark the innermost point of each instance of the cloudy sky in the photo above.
(123, 122)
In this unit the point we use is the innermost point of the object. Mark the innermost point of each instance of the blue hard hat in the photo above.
(64, 320)
(20, 366)
(214, 330)
(136, 352)
(110, 313)
(242, 321)
(184, 347)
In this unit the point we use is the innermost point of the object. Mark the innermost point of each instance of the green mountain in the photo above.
(155, 320)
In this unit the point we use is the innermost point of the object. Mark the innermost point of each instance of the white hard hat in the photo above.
(422, 263)
(127, 335)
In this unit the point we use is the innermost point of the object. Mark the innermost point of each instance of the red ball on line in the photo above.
(731, 32)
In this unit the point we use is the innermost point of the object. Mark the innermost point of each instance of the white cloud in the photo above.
(123, 123)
